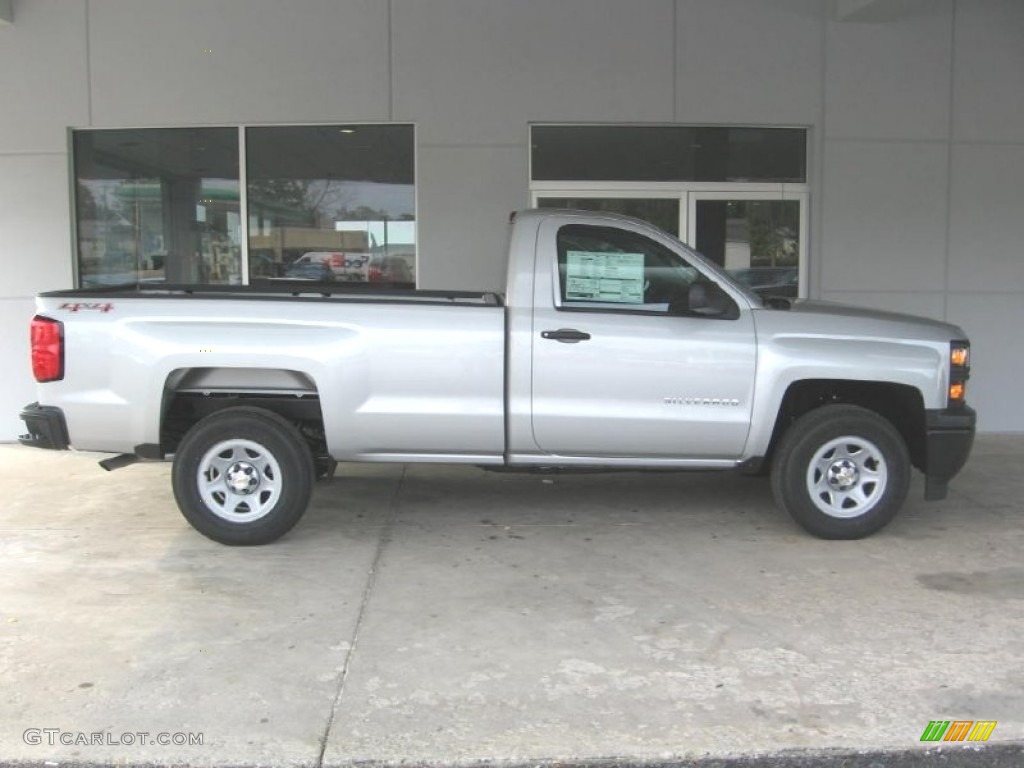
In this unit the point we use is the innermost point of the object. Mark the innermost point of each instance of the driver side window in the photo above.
(605, 268)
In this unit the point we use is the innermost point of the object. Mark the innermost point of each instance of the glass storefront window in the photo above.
(332, 203)
(157, 205)
(324, 203)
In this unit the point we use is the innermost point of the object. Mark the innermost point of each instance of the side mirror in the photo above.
(705, 299)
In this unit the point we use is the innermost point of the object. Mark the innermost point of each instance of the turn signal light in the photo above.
(956, 392)
(47, 349)
(960, 356)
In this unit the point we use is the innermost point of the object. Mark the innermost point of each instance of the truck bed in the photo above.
(395, 374)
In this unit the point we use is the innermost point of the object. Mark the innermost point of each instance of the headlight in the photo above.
(959, 355)
(959, 372)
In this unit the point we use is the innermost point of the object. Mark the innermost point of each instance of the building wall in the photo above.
(916, 126)
(923, 142)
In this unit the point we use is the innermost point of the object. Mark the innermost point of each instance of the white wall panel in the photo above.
(43, 86)
(749, 61)
(35, 239)
(465, 197)
(992, 321)
(988, 95)
(884, 225)
(17, 387)
(213, 61)
(987, 219)
(478, 71)
(890, 80)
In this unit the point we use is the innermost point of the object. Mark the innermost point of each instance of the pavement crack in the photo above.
(385, 538)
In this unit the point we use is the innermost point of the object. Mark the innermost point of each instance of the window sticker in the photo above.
(609, 277)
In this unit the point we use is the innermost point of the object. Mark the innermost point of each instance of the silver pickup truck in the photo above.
(615, 347)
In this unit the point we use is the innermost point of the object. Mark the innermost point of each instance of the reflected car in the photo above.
(350, 267)
(109, 279)
(394, 269)
(262, 264)
(310, 270)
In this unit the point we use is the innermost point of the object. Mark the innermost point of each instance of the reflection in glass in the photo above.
(156, 205)
(757, 241)
(332, 203)
(661, 212)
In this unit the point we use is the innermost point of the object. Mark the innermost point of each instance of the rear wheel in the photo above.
(243, 476)
(841, 471)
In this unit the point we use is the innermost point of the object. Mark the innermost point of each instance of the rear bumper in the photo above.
(46, 427)
(949, 435)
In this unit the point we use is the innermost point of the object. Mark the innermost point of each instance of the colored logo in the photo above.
(958, 730)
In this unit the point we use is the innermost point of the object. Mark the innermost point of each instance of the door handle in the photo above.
(565, 335)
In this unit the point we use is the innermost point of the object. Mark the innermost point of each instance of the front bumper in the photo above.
(46, 427)
(949, 435)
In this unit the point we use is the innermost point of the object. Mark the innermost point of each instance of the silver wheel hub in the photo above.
(239, 480)
(847, 477)
(843, 475)
(242, 477)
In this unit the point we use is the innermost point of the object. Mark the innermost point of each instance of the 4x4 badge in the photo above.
(75, 306)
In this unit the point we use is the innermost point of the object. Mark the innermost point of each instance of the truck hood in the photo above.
(829, 318)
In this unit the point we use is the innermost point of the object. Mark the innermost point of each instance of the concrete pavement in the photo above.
(446, 615)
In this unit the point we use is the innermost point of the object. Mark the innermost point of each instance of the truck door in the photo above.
(622, 367)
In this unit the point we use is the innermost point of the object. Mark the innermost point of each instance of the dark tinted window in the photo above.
(157, 205)
(332, 203)
(668, 153)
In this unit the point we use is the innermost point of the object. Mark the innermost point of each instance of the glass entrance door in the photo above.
(760, 240)
(758, 234)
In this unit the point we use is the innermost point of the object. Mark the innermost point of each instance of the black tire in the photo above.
(841, 471)
(256, 488)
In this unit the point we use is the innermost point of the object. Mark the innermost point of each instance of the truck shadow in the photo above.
(444, 496)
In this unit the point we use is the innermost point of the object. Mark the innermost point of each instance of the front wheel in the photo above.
(841, 471)
(243, 476)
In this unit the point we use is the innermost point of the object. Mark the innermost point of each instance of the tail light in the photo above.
(47, 349)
